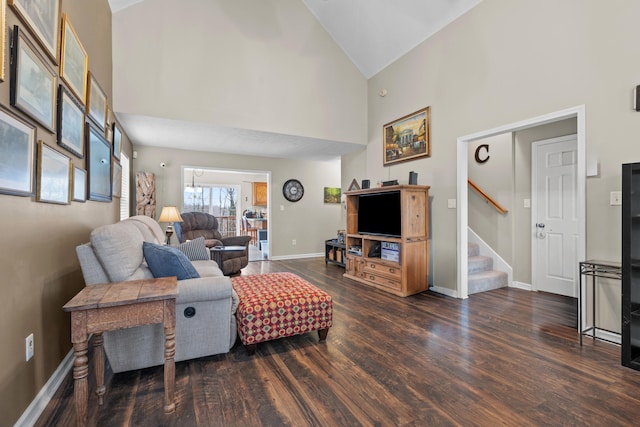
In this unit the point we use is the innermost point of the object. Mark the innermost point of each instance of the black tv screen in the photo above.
(379, 214)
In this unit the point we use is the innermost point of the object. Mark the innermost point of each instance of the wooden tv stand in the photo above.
(410, 273)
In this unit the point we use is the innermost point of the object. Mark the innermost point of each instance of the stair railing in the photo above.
(487, 197)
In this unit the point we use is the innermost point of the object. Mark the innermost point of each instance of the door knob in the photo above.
(539, 225)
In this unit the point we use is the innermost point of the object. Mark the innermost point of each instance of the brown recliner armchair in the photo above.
(200, 224)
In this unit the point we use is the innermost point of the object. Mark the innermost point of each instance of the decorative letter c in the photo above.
(478, 159)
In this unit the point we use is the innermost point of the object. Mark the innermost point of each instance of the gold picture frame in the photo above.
(407, 138)
(43, 20)
(74, 61)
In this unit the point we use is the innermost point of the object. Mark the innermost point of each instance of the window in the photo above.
(218, 200)
(124, 198)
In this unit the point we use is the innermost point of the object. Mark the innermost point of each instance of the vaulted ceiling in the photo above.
(372, 33)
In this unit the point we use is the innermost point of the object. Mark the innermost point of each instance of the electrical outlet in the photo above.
(293, 242)
(28, 341)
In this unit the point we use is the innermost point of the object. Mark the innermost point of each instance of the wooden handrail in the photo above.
(487, 197)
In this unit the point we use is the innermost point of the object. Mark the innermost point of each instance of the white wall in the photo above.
(264, 65)
(495, 178)
(503, 62)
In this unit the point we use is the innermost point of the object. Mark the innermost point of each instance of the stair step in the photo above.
(487, 281)
(473, 249)
(479, 263)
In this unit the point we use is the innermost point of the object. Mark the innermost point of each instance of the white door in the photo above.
(555, 215)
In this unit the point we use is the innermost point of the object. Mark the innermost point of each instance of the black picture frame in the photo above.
(98, 165)
(71, 122)
(33, 82)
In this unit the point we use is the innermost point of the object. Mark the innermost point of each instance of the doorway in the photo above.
(462, 175)
(554, 215)
(226, 194)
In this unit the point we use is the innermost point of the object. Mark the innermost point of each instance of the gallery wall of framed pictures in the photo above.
(54, 97)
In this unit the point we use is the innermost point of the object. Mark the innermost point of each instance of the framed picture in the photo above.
(33, 82)
(79, 184)
(98, 165)
(96, 103)
(354, 185)
(117, 180)
(43, 19)
(117, 141)
(73, 60)
(54, 174)
(70, 122)
(3, 36)
(332, 195)
(17, 155)
(407, 138)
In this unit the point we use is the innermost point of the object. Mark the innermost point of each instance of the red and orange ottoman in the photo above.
(277, 305)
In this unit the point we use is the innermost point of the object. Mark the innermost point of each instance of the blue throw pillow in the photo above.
(166, 261)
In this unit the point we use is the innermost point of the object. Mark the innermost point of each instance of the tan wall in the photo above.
(40, 271)
(309, 221)
(503, 62)
(262, 65)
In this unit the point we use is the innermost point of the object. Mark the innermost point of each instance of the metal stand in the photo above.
(596, 268)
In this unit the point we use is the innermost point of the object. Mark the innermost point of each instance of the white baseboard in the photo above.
(520, 285)
(445, 291)
(297, 256)
(605, 335)
(34, 410)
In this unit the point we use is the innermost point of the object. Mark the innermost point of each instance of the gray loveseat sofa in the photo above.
(205, 307)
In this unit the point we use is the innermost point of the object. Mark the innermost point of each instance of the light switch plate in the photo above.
(615, 198)
(527, 203)
(451, 203)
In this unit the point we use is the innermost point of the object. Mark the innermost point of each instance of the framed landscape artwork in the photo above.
(96, 103)
(54, 174)
(43, 19)
(117, 141)
(332, 195)
(70, 122)
(73, 60)
(33, 82)
(79, 184)
(407, 138)
(117, 180)
(98, 165)
(17, 155)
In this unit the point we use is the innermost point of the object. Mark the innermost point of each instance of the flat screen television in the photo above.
(380, 214)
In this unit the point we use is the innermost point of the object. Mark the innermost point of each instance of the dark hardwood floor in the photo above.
(505, 357)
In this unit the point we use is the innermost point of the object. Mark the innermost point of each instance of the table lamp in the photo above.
(170, 214)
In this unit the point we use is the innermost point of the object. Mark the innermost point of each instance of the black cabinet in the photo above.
(631, 265)
(334, 252)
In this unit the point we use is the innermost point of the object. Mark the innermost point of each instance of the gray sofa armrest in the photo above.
(204, 289)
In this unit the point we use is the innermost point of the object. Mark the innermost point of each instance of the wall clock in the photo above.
(293, 190)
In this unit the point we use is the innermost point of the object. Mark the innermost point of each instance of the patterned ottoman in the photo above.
(277, 305)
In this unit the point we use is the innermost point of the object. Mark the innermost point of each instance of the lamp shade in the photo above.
(170, 214)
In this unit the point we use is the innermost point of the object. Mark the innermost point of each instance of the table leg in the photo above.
(98, 365)
(80, 384)
(580, 305)
(593, 306)
(169, 354)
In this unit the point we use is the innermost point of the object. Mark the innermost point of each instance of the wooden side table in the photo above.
(107, 307)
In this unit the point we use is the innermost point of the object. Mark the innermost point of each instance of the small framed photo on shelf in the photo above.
(354, 185)
(70, 122)
(97, 104)
(54, 174)
(74, 60)
(43, 19)
(79, 184)
(17, 155)
(98, 165)
(33, 82)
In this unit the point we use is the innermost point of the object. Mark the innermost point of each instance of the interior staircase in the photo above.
(481, 275)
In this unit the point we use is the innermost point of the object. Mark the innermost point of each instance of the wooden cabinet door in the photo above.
(260, 194)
